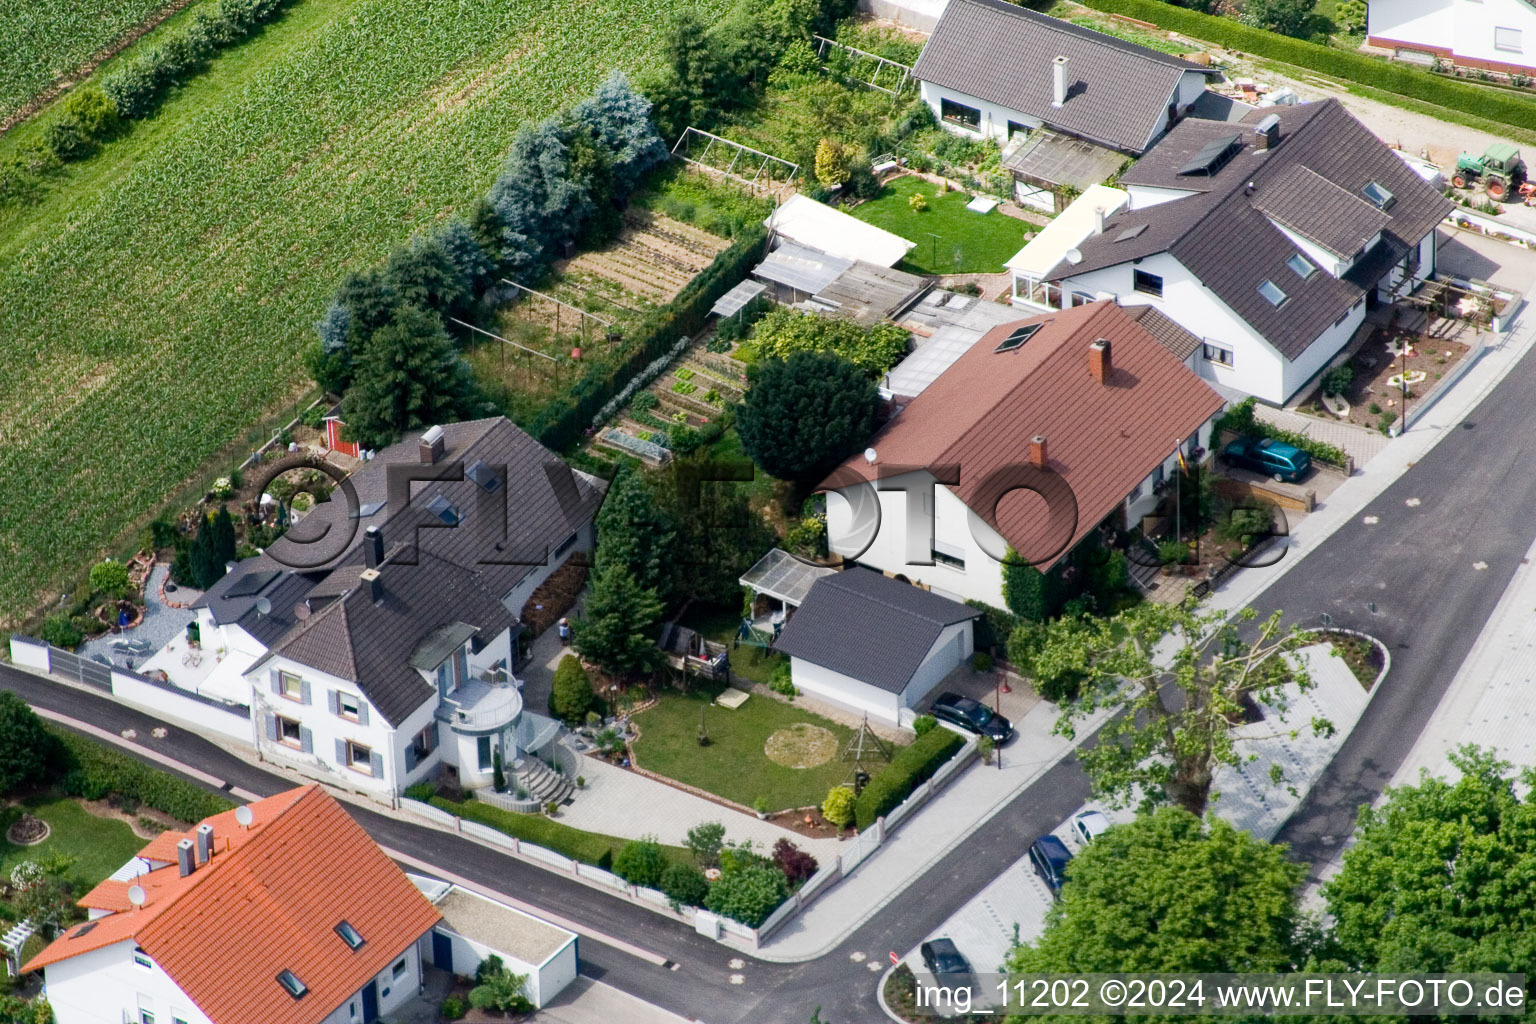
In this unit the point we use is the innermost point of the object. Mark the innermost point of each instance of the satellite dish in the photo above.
(1074, 255)
(244, 816)
(136, 895)
(263, 606)
(301, 610)
(869, 456)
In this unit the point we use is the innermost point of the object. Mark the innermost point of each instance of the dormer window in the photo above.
(292, 985)
(350, 935)
(1272, 292)
(1301, 265)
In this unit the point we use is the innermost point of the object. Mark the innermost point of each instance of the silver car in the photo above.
(1089, 825)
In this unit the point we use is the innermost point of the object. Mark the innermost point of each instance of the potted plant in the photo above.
(760, 805)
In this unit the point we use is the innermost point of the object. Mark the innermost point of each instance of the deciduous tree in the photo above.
(1180, 711)
(28, 751)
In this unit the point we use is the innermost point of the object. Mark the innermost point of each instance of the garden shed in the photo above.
(875, 644)
(817, 226)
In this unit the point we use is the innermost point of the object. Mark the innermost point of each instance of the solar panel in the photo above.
(1213, 156)
(1018, 338)
(1130, 233)
(251, 583)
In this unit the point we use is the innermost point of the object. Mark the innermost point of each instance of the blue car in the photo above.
(1049, 857)
(1275, 459)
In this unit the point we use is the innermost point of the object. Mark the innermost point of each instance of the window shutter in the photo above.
(277, 681)
(304, 690)
(333, 699)
(306, 740)
(376, 764)
(432, 737)
(271, 721)
(410, 757)
(362, 711)
(341, 752)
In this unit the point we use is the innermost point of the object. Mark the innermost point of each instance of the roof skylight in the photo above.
(444, 510)
(1301, 265)
(1018, 337)
(1130, 233)
(1272, 292)
(291, 984)
(1378, 196)
(350, 935)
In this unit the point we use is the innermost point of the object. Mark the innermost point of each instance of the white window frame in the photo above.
(143, 960)
(400, 969)
(353, 714)
(1212, 352)
(298, 732)
(1137, 273)
(1508, 45)
(296, 693)
(365, 767)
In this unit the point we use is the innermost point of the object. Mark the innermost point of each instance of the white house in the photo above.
(1491, 35)
(1037, 434)
(873, 644)
(371, 660)
(282, 911)
(995, 70)
(1031, 266)
(1268, 239)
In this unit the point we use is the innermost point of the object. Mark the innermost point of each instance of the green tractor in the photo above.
(1500, 168)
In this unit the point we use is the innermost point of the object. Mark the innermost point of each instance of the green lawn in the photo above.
(99, 845)
(160, 295)
(950, 239)
(720, 624)
(734, 764)
(593, 848)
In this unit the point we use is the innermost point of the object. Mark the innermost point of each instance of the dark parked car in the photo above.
(972, 716)
(1049, 856)
(1272, 458)
(941, 957)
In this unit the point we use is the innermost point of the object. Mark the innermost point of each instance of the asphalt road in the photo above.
(1423, 578)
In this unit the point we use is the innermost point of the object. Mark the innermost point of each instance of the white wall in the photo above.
(1143, 196)
(1413, 21)
(106, 986)
(845, 691)
(1315, 358)
(29, 655)
(194, 713)
(994, 118)
(982, 577)
(954, 645)
(545, 981)
(1475, 21)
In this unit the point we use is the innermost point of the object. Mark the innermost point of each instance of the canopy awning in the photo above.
(782, 576)
(735, 300)
(1051, 159)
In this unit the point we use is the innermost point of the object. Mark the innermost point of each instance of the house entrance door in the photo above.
(371, 1002)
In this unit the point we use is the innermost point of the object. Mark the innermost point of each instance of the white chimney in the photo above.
(1098, 220)
(1059, 81)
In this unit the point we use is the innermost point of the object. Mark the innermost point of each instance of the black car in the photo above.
(1049, 856)
(972, 716)
(941, 957)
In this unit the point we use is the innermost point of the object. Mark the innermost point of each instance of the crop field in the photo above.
(654, 258)
(157, 302)
(48, 38)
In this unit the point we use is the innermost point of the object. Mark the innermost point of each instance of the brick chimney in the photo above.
(1098, 361)
(204, 843)
(1037, 451)
(432, 446)
(186, 857)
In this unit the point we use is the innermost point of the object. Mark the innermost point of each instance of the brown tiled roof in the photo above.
(1173, 336)
(269, 900)
(1227, 241)
(1002, 53)
(1101, 439)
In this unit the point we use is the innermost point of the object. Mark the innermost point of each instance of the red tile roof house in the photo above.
(295, 917)
(1087, 401)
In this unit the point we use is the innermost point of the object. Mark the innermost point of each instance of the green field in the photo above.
(52, 38)
(157, 300)
(950, 239)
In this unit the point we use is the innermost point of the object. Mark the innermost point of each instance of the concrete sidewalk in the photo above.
(974, 796)
(585, 1001)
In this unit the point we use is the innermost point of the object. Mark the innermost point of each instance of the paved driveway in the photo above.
(1468, 254)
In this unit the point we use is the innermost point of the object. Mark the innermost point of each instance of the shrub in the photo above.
(685, 885)
(571, 697)
(981, 661)
(110, 578)
(422, 791)
(796, 864)
(749, 894)
(1337, 380)
(838, 806)
(924, 724)
(587, 847)
(993, 628)
(500, 989)
(95, 772)
(910, 768)
(641, 862)
(29, 753)
(705, 840)
(452, 1008)
(1172, 551)
(781, 682)
(1240, 419)
(59, 631)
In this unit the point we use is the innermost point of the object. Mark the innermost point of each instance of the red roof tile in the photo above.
(269, 900)
(1102, 439)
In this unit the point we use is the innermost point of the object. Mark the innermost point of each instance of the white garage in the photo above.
(875, 644)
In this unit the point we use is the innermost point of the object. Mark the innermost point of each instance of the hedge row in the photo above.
(588, 847)
(910, 768)
(96, 772)
(1240, 420)
(1345, 64)
(993, 628)
(563, 420)
(137, 88)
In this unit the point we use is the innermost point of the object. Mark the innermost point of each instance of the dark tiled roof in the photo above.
(372, 644)
(869, 627)
(1228, 242)
(1314, 207)
(1001, 53)
(1173, 336)
(1101, 439)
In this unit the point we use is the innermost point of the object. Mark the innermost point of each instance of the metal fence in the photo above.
(71, 666)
